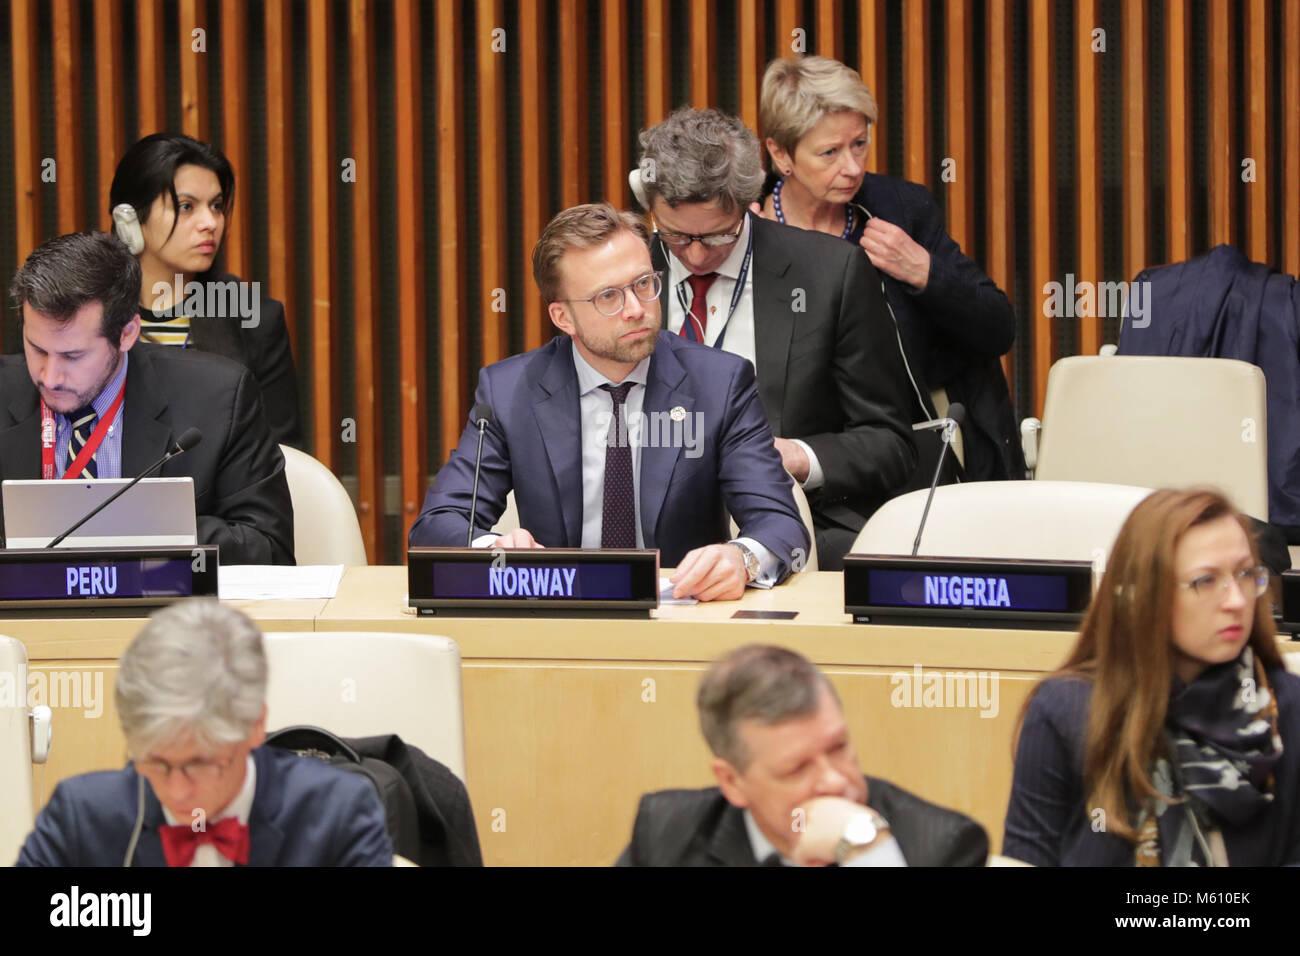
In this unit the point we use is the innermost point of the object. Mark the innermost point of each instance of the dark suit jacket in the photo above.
(829, 368)
(264, 349)
(954, 330)
(241, 496)
(534, 446)
(700, 828)
(305, 813)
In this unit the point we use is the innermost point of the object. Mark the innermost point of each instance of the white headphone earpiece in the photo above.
(638, 187)
(127, 227)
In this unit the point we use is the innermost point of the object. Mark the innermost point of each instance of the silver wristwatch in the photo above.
(862, 830)
(751, 561)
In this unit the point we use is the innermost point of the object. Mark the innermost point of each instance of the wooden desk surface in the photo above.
(568, 722)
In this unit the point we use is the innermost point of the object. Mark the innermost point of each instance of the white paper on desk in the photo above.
(261, 582)
(666, 594)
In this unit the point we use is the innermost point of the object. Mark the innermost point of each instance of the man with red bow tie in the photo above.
(200, 789)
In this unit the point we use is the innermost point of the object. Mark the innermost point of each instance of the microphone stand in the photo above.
(949, 431)
(176, 450)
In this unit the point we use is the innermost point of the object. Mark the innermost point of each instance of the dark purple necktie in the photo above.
(618, 522)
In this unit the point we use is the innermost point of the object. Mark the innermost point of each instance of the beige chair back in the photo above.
(362, 684)
(1158, 422)
(1046, 520)
(325, 525)
(17, 812)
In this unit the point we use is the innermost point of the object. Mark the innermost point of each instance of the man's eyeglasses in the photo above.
(610, 301)
(195, 771)
(679, 240)
(1252, 581)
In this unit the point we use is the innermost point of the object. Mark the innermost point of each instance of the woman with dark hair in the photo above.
(816, 116)
(1171, 735)
(169, 201)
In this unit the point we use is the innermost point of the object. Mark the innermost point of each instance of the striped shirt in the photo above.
(108, 457)
(164, 328)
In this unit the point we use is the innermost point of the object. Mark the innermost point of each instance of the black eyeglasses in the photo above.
(679, 240)
(611, 301)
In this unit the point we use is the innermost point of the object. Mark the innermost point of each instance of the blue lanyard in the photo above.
(735, 294)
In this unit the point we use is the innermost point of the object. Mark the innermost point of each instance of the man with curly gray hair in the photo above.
(200, 789)
(805, 309)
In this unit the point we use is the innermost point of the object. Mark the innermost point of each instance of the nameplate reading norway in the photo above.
(969, 592)
(552, 582)
(89, 579)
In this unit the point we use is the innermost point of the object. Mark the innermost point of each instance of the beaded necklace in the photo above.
(780, 216)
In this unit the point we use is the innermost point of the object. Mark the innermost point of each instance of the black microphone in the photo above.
(189, 438)
(950, 424)
(480, 415)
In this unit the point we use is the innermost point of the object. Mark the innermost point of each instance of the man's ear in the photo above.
(729, 783)
(560, 317)
(130, 334)
(257, 736)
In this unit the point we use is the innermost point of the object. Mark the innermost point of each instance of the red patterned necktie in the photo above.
(618, 519)
(697, 321)
(229, 836)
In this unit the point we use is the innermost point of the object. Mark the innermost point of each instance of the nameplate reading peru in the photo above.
(976, 592)
(92, 578)
(554, 582)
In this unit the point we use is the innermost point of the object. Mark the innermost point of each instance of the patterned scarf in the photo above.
(1222, 732)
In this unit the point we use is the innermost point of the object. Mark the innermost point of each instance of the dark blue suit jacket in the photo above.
(305, 813)
(534, 446)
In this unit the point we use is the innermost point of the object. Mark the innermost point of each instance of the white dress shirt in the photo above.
(884, 853)
(240, 807)
(739, 339)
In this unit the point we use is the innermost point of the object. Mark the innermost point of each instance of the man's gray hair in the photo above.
(700, 155)
(756, 682)
(198, 668)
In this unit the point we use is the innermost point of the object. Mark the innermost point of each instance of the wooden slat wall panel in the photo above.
(151, 79)
(1291, 140)
(234, 131)
(67, 116)
(573, 103)
(365, 283)
(916, 91)
(27, 138)
(110, 123)
(1223, 167)
(1137, 178)
(279, 160)
(1178, 132)
(1042, 219)
(658, 61)
(788, 19)
(533, 155)
(194, 69)
(873, 68)
(411, 317)
(1088, 163)
(752, 61)
(451, 225)
(614, 101)
(325, 162)
(999, 239)
(1260, 207)
(494, 334)
(960, 113)
(827, 33)
(703, 84)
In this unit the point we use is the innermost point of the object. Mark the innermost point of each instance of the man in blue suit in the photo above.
(201, 790)
(620, 435)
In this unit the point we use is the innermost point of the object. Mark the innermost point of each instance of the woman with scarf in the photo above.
(1171, 736)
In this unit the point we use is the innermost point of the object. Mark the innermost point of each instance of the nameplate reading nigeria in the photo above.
(973, 592)
(92, 578)
(553, 582)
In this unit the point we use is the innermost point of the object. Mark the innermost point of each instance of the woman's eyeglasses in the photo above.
(1252, 581)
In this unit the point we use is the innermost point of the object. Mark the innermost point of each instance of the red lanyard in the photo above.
(49, 431)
